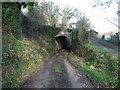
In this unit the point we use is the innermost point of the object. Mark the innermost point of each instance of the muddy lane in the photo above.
(95, 41)
(57, 72)
(69, 76)
(76, 78)
(42, 78)
(61, 79)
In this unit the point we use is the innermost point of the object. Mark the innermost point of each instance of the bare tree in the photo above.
(50, 12)
(107, 4)
(66, 14)
(82, 26)
(83, 22)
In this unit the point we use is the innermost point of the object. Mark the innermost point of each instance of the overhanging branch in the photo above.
(112, 22)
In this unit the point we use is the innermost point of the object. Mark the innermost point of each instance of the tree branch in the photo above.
(112, 22)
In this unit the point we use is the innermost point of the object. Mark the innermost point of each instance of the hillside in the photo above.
(25, 48)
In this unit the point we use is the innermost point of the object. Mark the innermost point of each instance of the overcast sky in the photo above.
(96, 15)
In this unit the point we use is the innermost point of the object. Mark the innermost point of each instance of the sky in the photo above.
(96, 15)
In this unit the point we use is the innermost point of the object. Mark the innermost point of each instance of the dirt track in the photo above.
(69, 77)
(96, 41)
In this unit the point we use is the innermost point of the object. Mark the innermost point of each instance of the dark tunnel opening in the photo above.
(62, 41)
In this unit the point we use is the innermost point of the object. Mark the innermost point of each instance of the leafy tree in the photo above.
(11, 17)
(83, 25)
(31, 7)
(49, 12)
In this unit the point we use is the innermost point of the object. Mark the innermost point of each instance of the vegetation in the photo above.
(116, 42)
(108, 45)
(58, 68)
(25, 47)
(20, 60)
(99, 64)
(48, 13)
(22, 57)
(58, 63)
(28, 40)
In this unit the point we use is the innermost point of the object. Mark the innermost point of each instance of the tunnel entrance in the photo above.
(64, 39)
(61, 41)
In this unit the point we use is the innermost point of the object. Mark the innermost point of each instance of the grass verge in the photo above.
(58, 68)
(107, 45)
(99, 64)
(21, 58)
(58, 63)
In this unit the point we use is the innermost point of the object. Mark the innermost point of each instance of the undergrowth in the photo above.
(113, 47)
(21, 58)
(26, 43)
(99, 64)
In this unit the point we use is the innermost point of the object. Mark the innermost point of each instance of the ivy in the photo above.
(30, 7)
(11, 16)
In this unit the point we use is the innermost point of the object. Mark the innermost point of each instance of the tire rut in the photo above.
(68, 77)
(42, 78)
(77, 79)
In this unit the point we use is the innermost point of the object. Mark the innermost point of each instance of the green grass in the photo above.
(99, 64)
(103, 77)
(23, 49)
(113, 47)
(58, 63)
(21, 58)
(58, 68)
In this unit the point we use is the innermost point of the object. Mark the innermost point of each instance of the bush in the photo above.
(100, 64)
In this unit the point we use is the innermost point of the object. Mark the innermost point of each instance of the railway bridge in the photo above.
(64, 39)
